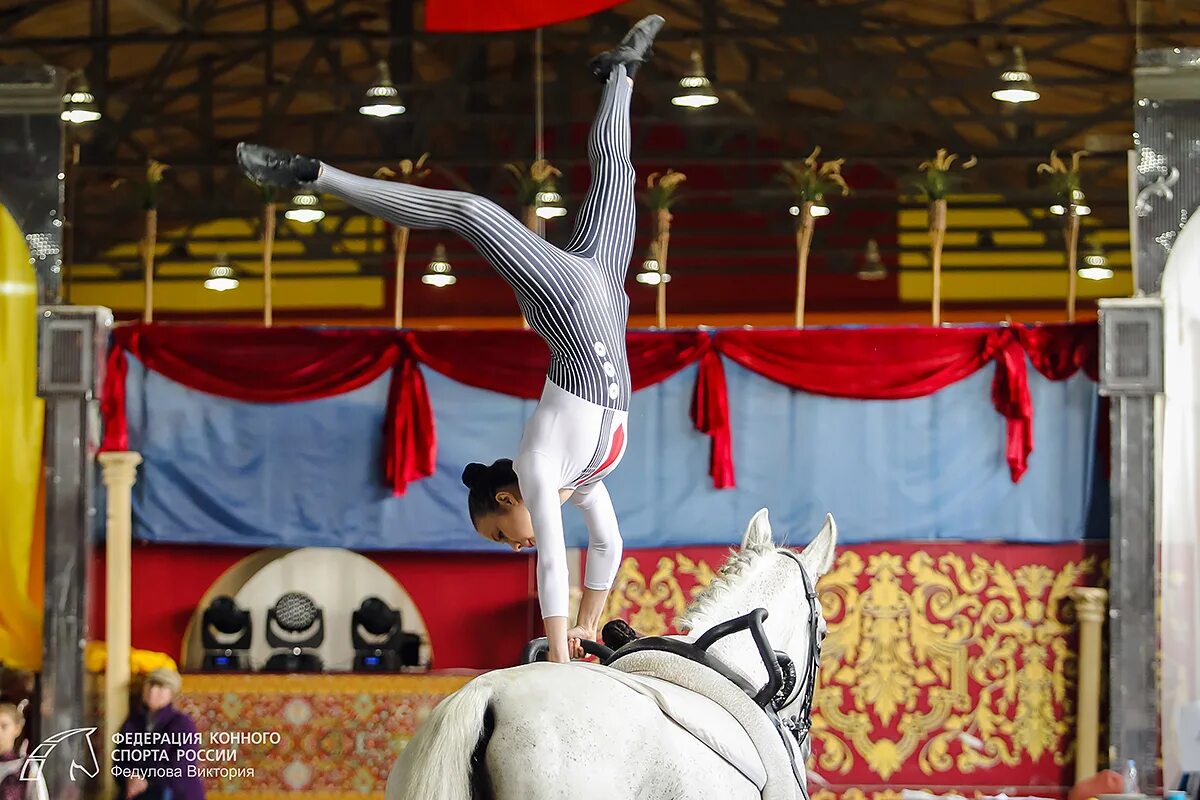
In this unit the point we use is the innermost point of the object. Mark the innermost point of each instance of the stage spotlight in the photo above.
(295, 624)
(380, 643)
(225, 633)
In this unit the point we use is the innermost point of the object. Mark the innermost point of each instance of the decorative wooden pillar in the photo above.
(1090, 608)
(804, 234)
(119, 475)
(937, 240)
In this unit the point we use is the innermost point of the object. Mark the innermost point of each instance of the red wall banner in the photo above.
(945, 665)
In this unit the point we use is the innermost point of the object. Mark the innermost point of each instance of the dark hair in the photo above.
(484, 482)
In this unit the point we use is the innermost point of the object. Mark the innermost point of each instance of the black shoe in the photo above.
(267, 166)
(633, 51)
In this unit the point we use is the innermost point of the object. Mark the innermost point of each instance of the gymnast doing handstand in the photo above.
(575, 299)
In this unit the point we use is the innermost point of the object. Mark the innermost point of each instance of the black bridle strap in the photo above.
(802, 719)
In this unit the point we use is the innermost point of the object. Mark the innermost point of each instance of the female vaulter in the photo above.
(575, 299)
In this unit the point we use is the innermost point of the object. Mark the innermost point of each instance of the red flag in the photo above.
(474, 16)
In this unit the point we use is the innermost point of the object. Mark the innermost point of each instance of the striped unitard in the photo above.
(575, 299)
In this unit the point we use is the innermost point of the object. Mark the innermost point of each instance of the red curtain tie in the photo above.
(710, 414)
(410, 434)
(1010, 396)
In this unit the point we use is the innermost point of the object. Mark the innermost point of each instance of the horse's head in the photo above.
(762, 574)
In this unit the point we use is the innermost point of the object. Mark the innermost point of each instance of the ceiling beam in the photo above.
(166, 19)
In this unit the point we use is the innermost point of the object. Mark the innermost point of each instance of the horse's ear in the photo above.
(758, 532)
(819, 554)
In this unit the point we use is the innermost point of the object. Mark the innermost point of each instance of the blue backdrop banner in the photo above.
(308, 474)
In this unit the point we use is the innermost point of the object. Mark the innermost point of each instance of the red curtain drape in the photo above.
(282, 365)
(476, 16)
(892, 364)
(895, 363)
(509, 362)
(1060, 350)
(295, 364)
(514, 362)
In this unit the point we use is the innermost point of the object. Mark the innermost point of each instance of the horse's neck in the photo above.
(739, 650)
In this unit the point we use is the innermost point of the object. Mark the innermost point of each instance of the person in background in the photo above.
(12, 722)
(156, 714)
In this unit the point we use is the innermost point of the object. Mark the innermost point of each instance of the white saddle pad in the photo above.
(699, 716)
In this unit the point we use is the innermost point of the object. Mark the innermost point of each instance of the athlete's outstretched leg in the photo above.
(605, 226)
(518, 254)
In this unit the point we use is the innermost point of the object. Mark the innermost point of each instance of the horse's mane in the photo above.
(735, 574)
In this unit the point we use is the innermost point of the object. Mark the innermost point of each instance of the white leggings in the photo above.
(570, 443)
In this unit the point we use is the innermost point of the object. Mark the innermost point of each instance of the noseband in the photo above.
(801, 722)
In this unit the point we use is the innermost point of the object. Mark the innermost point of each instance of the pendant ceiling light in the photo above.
(306, 207)
(438, 272)
(79, 106)
(222, 277)
(1016, 84)
(382, 99)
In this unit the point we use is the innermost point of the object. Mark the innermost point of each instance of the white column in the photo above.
(119, 474)
(1090, 609)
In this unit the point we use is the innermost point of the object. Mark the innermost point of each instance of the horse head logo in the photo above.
(35, 764)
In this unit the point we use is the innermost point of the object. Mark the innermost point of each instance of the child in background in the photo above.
(12, 721)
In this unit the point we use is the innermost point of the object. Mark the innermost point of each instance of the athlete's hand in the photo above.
(575, 637)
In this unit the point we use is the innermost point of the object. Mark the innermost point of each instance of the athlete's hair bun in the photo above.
(484, 482)
(473, 474)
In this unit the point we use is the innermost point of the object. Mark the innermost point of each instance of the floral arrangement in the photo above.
(533, 180)
(1064, 180)
(409, 171)
(811, 180)
(662, 190)
(936, 183)
(1069, 202)
(413, 173)
(937, 180)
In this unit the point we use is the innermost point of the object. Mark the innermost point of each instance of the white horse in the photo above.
(544, 730)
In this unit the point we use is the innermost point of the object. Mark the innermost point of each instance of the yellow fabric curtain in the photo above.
(20, 455)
